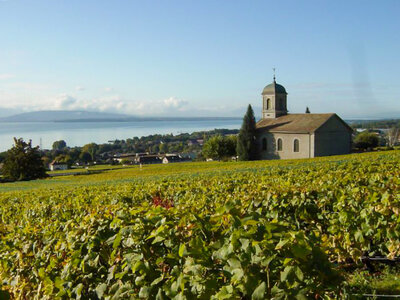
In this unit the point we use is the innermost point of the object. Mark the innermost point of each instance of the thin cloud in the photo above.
(64, 101)
(173, 102)
(5, 76)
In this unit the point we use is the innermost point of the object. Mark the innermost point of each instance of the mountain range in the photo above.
(90, 116)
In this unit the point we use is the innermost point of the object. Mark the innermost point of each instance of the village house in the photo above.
(54, 166)
(174, 158)
(149, 159)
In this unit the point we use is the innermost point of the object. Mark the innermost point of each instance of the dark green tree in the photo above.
(247, 135)
(59, 145)
(64, 158)
(23, 162)
(365, 140)
(91, 149)
(163, 148)
(2, 156)
(85, 157)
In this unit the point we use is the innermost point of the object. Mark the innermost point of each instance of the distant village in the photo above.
(152, 149)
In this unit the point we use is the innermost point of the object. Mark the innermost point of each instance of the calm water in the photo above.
(80, 133)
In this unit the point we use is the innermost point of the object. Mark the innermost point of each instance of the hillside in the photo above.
(61, 115)
(236, 230)
(90, 116)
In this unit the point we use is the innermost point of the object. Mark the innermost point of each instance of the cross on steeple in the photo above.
(274, 74)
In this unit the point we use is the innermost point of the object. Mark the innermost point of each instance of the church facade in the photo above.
(280, 135)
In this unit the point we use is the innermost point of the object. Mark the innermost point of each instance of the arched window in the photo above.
(296, 145)
(264, 144)
(279, 145)
(268, 103)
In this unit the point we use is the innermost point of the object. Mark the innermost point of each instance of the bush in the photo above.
(365, 140)
(219, 147)
(126, 161)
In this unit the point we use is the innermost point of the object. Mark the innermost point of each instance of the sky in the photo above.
(199, 58)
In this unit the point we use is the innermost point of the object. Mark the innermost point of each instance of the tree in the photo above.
(393, 136)
(23, 162)
(163, 148)
(155, 148)
(85, 157)
(74, 154)
(246, 139)
(91, 149)
(59, 145)
(64, 158)
(219, 147)
(2, 156)
(365, 140)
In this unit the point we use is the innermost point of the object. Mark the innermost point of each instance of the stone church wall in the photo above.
(332, 143)
(333, 138)
(287, 152)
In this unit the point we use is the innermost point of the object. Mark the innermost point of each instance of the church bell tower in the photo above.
(274, 101)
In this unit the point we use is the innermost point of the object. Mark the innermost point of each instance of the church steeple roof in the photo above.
(274, 88)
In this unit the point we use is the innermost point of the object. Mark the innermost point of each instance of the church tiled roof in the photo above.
(296, 123)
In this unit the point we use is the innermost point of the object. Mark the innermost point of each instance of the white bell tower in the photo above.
(274, 100)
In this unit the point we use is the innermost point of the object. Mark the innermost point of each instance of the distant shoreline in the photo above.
(89, 116)
(124, 120)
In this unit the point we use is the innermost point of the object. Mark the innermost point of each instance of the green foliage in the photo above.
(85, 156)
(23, 162)
(219, 147)
(64, 158)
(91, 149)
(59, 145)
(370, 124)
(365, 140)
(163, 148)
(242, 230)
(2, 156)
(126, 161)
(384, 282)
(247, 135)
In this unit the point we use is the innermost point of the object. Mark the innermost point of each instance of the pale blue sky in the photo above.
(199, 58)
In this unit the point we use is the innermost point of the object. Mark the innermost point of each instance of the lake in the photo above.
(81, 133)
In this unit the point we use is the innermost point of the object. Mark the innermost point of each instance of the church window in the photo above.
(264, 144)
(279, 145)
(296, 145)
(268, 103)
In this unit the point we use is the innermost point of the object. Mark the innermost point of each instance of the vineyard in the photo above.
(238, 230)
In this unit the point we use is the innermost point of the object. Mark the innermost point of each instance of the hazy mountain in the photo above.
(89, 116)
(61, 115)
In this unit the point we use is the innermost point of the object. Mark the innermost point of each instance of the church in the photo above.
(280, 135)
